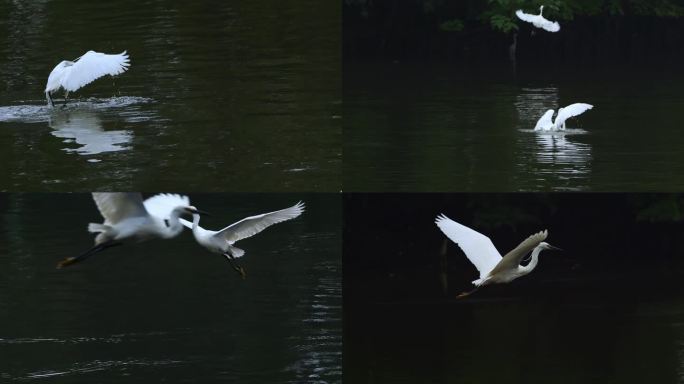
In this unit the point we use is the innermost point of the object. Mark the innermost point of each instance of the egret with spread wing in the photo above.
(538, 20)
(545, 123)
(222, 241)
(480, 250)
(72, 75)
(127, 218)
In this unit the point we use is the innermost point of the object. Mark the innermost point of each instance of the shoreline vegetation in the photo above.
(632, 32)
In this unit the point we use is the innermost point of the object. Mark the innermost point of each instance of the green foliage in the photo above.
(659, 208)
(454, 25)
(503, 23)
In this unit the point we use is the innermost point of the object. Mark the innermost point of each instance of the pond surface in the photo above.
(590, 328)
(170, 311)
(225, 96)
(439, 127)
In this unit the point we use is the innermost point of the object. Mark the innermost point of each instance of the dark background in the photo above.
(613, 33)
(622, 258)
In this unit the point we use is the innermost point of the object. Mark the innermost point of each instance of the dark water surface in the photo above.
(619, 327)
(440, 127)
(170, 311)
(221, 96)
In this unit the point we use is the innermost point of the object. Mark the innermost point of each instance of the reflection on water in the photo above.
(239, 84)
(169, 311)
(84, 128)
(561, 162)
(432, 127)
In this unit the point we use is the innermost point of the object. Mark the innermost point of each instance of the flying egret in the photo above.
(546, 124)
(479, 249)
(130, 219)
(222, 241)
(72, 75)
(538, 20)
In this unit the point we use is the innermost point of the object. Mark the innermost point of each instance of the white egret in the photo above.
(72, 75)
(222, 241)
(479, 249)
(130, 219)
(546, 124)
(538, 20)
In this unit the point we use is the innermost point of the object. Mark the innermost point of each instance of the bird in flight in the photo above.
(493, 268)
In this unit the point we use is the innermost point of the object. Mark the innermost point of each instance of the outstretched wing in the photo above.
(252, 225)
(544, 121)
(571, 110)
(476, 246)
(117, 206)
(551, 26)
(163, 204)
(93, 65)
(526, 16)
(512, 259)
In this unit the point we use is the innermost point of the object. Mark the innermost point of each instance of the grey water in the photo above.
(416, 126)
(227, 96)
(170, 311)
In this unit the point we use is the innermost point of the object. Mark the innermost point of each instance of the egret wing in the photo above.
(571, 110)
(512, 259)
(551, 26)
(526, 16)
(93, 65)
(477, 247)
(252, 225)
(163, 204)
(117, 206)
(544, 121)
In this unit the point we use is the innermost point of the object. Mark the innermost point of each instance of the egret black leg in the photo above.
(66, 98)
(234, 265)
(49, 96)
(98, 248)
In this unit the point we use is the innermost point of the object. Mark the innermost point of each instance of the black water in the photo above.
(170, 311)
(219, 97)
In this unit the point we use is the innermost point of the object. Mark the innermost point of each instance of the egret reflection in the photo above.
(84, 128)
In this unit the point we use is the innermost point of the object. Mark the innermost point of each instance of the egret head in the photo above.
(544, 245)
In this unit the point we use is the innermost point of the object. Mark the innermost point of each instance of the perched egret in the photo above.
(222, 241)
(538, 20)
(72, 75)
(479, 249)
(130, 219)
(546, 124)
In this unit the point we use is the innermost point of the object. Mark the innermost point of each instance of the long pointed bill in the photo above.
(198, 211)
(551, 247)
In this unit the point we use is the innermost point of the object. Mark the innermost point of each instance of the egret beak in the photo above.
(197, 211)
(551, 247)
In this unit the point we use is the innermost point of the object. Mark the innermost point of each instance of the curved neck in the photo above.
(533, 263)
(195, 220)
(541, 10)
